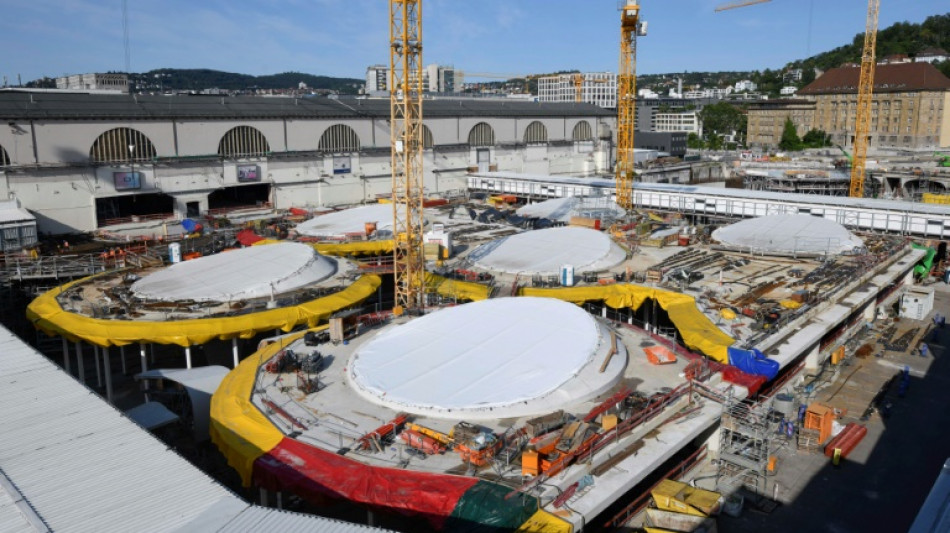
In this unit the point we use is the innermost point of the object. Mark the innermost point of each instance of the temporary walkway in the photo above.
(69, 461)
(892, 216)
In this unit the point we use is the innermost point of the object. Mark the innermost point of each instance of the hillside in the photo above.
(197, 79)
(900, 38)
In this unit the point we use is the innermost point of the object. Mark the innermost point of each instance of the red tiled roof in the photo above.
(887, 78)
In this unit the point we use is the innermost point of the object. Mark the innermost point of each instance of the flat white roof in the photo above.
(492, 359)
(253, 272)
(81, 465)
(788, 234)
(546, 251)
(348, 221)
(11, 212)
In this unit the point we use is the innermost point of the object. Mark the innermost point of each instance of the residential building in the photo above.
(598, 88)
(111, 82)
(792, 75)
(932, 55)
(377, 79)
(649, 108)
(746, 85)
(788, 90)
(442, 79)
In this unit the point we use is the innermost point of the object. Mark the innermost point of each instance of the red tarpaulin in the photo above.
(296, 211)
(314, 474)
(247, 237)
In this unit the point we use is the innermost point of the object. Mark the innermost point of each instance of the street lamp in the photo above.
(132, 164)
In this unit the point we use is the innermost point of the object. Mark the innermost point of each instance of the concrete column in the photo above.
(95, 355)
(144, 359)
(66, 356)
(80, 363)
(107, 366)
(263, 497)
(187, 356)
(812, 358)
(235, 352)
(280, 500)
(370, 519)
(125, 370)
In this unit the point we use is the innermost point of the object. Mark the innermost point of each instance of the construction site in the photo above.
(510, 341)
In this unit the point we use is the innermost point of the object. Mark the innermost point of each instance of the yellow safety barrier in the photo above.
(545, 522)
(698, 332)
(46, 314)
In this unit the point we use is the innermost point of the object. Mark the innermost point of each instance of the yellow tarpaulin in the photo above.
(238, 428)
(545, 522)
(698, 332)
(46, 314)
(464, 290)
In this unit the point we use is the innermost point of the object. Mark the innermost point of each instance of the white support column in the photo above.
(144, 358)
(235, 352)
(107, 366)
(66, 356)
(80, 363)
(187, 356)
(95, 354)
(122, 356)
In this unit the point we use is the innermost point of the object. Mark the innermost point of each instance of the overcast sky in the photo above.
(342, 37)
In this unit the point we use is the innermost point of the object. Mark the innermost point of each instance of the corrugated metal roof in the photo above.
(25, 105)
(83, 466)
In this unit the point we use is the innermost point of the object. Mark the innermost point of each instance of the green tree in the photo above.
(714, 142)
(721, 117)
(790, 140)
(694, 142)
(816, 138)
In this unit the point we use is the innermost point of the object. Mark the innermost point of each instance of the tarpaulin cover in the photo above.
(488, 507)
(238, 428)
(453, 288)
(545, 522)
(698, 332)
(753, 362)
(314, 474)
(247, 237)
(46, 314)
(751, 382)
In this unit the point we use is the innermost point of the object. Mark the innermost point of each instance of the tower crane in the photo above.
(865, 95)
(865, 92)
(630, 27)
(405, 104)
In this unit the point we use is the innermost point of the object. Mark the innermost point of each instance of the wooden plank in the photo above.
(610, 354)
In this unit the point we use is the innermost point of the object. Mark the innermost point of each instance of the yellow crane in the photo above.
(865, 95)
(405, 104)
(626, 102)
(862, 126)
(739, 3)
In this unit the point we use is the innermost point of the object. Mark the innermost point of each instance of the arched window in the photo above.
(481, 135)
(121, 145)
(582, 131)
(4, 157)
(536, 133)
(339, 138)
(427, 141)
(243, 141)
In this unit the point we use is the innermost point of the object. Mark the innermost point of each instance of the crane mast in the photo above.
(865, 95)
(626, 102)
(405, 103)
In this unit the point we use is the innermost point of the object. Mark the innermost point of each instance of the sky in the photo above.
(504, 37)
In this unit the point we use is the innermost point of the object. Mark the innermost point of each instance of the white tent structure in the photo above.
(546, 251)
(350, 221)
(254, 272)
(562, 209)
(527, 356)
(789, 234)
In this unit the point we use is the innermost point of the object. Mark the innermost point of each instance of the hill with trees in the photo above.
(197, 79)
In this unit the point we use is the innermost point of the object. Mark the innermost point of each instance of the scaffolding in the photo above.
(748, 441)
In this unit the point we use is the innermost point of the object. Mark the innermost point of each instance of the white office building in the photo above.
(598, 88)
(675, 122)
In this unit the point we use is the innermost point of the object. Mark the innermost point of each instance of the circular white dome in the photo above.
(491, 359)
(789, 234)
(254, 272)
(545, 251)
(348, 221)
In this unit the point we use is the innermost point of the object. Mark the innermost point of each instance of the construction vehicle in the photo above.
(943, 160)
(843, 163)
